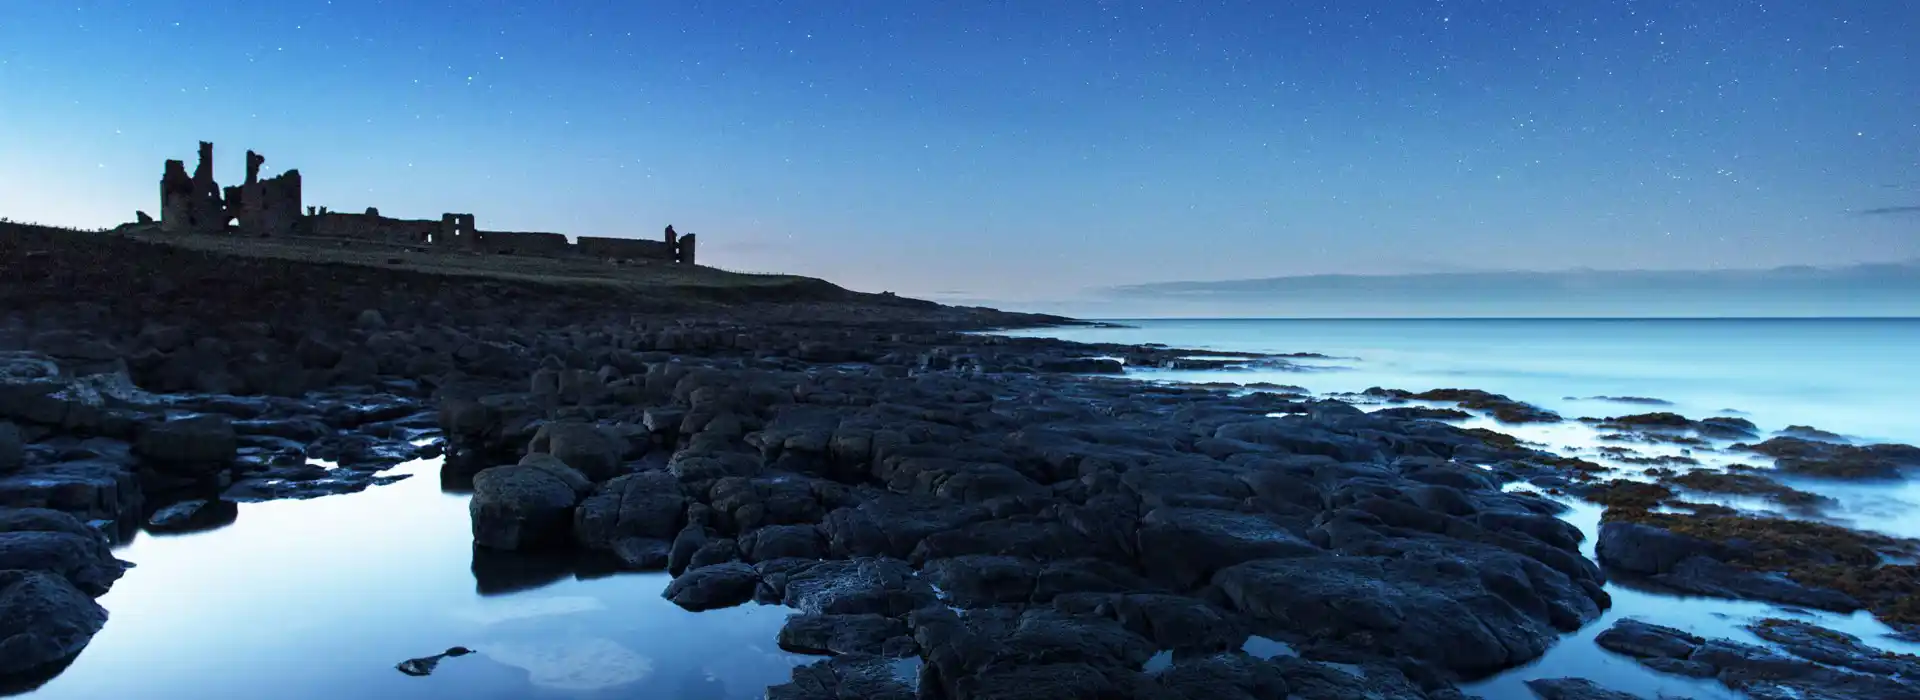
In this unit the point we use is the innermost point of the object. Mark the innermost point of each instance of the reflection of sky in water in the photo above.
(319, 599)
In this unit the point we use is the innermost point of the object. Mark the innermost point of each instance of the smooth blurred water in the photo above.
(319, 599)
(1858, 377)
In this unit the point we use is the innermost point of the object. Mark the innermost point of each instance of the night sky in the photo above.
(1015, 150)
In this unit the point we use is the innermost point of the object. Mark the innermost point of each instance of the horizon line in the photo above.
(1505, 318)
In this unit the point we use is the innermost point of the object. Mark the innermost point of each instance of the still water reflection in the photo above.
(321, 598)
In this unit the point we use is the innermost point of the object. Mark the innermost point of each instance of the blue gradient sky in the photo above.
(1015, 150)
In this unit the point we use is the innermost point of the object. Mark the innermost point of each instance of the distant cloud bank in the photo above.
(1881, 211)
(1882, 289)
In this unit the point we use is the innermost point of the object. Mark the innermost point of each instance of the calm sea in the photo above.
(1858, 377)
(319, 599)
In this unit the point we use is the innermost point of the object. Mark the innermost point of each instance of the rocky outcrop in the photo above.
(44, 620)
(592, 450)
(1806, 457)
(1574, 689)
(636, 516)
(49, 541)
(1465, 611)
(51, 567)
(1722, 569)
(525, 506)
(1817, 662)
(196, 445)
(713, 586)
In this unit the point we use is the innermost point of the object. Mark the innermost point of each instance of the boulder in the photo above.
(1834, 648)
(1180, 622)
(1761, 672)
(645, 504)
(1716, 578)
(864, 676)
(44, 620)
(593, 450)
(1296, 435)
(847, 586)
(190, 515)
(843, 634)
(642, 553)
(91, 489)
(690, 541)
(663, 420)
(37, 539)
(1008, 653)
(522, 507)
(892, 524)
(714, 586)
(1574, 689)
(783, 541)
(1307, 679)
(1794, 455)
(718, 551)
(982, 580)
(1230, 675)
(1185, 546)
(568, 475)
(42, 520)
(1648, 550)
(1645, 640)
(199, 445)
(1467, 610)
(12, 448)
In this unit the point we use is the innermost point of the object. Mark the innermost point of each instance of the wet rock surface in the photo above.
(1728, 554)
(1813, 457)
(1574, 689)
(44, 620)
(1812, 662)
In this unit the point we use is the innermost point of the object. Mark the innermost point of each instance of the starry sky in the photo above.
(1015, 150)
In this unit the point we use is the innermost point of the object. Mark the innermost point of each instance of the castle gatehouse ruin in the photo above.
(272, 207)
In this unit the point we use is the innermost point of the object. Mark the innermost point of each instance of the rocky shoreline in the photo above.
(989, 508)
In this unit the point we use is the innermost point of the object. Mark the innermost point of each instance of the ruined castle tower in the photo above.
(269, 207)
(197, 204)
(683, 252)
(176, 198)
(209, 211)
(192, 203)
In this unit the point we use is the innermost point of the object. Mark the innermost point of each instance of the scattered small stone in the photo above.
(424, 665)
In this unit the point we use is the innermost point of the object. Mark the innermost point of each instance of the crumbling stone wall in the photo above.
(272, 207)
(623, 248)
(372, 227)
(456, 231)
(269, 207)
(683, 252)
(523, 243)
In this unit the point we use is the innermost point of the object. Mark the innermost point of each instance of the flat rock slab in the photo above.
(1434, 609)
(1185, 546)
(714, 586)
(1574, 689)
